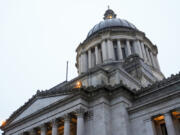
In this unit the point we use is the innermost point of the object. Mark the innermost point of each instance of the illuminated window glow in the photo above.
(78, 84)
(3, 123)
(109, 17)
(176, 114)
(159, 118)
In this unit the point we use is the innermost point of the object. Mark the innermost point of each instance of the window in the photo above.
(163, 129)
(93, 57)
(160, 125)
(115, 49)
(132, 48)
(123, 52)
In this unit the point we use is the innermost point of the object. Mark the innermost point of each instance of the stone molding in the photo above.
(89, 115)
(54, 122)
(43, 127)
(91, 91)
(67, 117)
(80, 112)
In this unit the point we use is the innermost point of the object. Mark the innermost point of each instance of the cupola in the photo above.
(109, 14)
(115, 44)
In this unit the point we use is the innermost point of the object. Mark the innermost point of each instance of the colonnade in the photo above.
(54, 125)
(115, 50)
(167, 119)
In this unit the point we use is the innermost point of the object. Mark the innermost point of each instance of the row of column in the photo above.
(151, 129)
(105, 52)
(67, 121)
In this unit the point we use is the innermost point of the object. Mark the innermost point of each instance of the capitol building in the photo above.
(119, 90)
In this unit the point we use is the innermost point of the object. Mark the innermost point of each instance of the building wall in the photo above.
(138, 117)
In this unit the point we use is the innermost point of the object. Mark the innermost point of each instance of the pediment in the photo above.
(38, 105)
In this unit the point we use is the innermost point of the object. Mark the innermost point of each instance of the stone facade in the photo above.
(120, 90)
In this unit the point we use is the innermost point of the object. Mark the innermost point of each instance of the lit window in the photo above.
(78, 84)
(109, 17)
(160, 125)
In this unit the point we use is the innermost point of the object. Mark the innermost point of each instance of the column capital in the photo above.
(83, 52)
(110, 39)
(54, 122)
(42, 125)
(32, 131)
(103, 40)
(66, 117)
(150, 129)
(169, 123)
(80, 112)
(66, 124)
(167, 113)
(43, 129)
(148, 119)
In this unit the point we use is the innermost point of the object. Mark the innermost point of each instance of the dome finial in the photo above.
(109, 14)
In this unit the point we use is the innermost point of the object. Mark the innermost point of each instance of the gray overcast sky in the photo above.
(37, 37)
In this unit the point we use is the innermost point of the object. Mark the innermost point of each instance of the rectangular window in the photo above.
(115, 49)
(163, 129)
(93, 57)
(132, 48)
(123, 52)
(160, 125)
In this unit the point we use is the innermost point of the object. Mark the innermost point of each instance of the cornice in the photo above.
(124, 31)
(159, 85)
(158, 92)
(86, 93)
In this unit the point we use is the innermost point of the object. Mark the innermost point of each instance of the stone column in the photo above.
(79, 63)
(139, 48)
(54, 127)
(84, 62)
(82, 66)
(43, 129)
(121, 123)
(120, 56)
(169, 124)
(144, 52)
(89, 59)
(80, 121)
(100, 55)
(110, 50)
(66, 124)
(97, 55)
(136, 49)
(128, 48)
(104, 50)
(148, 56)
(157, 62)
(152, 58)
(150, 129)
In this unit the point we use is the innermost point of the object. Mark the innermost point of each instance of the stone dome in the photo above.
(110, 21)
